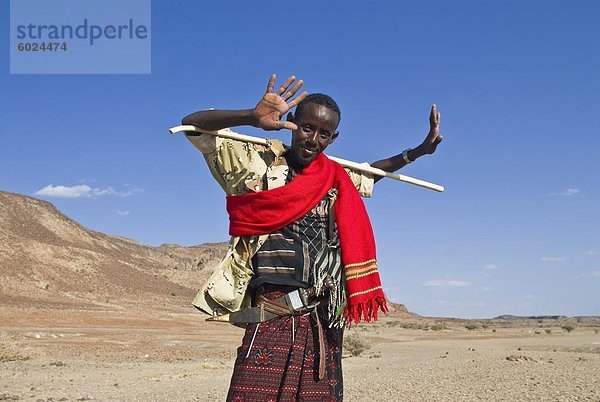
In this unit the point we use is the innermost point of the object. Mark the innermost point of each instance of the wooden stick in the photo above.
(362, 167)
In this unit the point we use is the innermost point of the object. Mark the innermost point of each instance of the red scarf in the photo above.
(266, 211)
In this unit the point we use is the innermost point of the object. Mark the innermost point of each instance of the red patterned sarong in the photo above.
(280, 367)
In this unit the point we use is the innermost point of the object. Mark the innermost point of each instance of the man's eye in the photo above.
(325, 135)
(307, 128)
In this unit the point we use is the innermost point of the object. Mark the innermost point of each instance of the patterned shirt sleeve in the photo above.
(362, 181)
(237, 166)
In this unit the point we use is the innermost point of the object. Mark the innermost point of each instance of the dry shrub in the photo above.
(8, 356)
(356, 344)
(568, 327)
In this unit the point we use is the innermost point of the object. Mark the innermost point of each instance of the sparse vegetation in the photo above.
(548, 330)
(8, 356)
(356, 344)
(173, 294)
(568, 327)
(438, 327)
(471, 327)
(484, 326)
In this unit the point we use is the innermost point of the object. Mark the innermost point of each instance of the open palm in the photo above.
(274, 105)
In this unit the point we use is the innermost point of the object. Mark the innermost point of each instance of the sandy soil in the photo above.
(137, 355)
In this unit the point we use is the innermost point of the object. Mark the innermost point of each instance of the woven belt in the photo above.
(293, 304)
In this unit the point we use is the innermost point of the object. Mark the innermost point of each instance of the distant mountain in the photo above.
(531, 317)
(49, 260)
(547, 319)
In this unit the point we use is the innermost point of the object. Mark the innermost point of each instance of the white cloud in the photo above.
(589, 253)
(446, 283)
(65, 192)
(553, 259)
(595, 274)
(569, 192)
(490, 267)
(487, 288)
(82, 191)
(111, 191)
(122, 213)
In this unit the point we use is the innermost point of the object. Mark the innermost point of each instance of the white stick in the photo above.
(363, 167)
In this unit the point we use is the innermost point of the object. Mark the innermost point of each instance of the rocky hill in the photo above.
(49, 260)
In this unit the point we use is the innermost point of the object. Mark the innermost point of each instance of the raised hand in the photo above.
(433, 139)
(274, 105)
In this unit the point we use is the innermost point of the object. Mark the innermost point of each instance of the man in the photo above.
(302, 257)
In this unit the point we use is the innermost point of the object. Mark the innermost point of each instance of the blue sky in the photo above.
(517, 83)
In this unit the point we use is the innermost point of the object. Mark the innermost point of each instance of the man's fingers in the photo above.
(285, 85)
(271, 83)
(439, 117)
(288, 125)
(292, 91)
(297, 99)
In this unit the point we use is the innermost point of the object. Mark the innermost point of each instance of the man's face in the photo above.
(317, 126)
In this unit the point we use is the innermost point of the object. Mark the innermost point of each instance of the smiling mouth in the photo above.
(308, 155)
(308, 152)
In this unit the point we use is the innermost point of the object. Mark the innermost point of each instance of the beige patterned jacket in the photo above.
(240, 168)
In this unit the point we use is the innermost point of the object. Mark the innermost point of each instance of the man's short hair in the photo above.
(319, 99)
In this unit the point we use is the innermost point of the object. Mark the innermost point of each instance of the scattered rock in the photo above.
(520, 358)
(209, 366)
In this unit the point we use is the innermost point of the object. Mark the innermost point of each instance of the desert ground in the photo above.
(172, 354)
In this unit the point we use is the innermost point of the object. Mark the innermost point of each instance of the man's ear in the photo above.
(334, 136)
